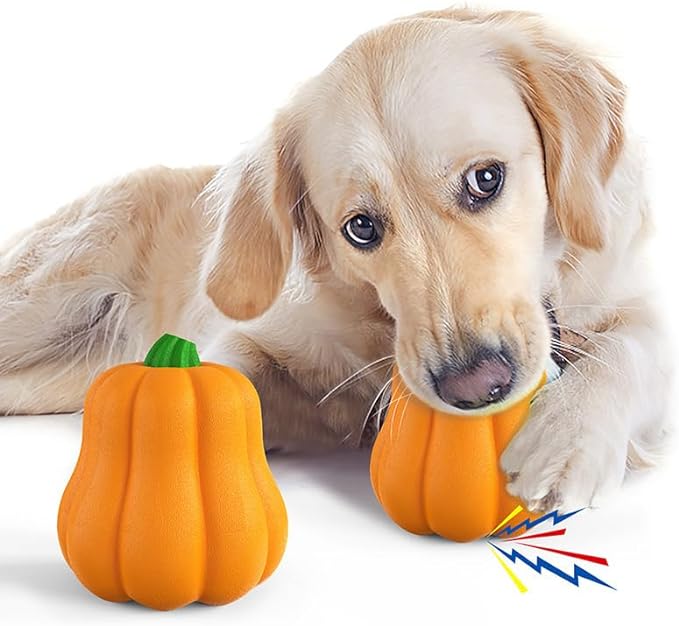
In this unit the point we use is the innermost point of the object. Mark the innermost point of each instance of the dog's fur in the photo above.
(249, 260)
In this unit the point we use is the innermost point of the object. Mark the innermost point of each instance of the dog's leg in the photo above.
(50, 388)
(295, 420)
(94, 285)
(56, 334)
(574, 447)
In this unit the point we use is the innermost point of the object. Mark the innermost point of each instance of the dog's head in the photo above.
(433, 161)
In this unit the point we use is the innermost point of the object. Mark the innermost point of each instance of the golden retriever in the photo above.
(455, 194)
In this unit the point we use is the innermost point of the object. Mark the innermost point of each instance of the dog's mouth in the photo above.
(561, 356)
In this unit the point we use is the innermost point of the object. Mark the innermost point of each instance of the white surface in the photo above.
(345, 561)
(88, 93)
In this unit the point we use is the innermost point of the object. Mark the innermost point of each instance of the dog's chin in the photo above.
(527, 386)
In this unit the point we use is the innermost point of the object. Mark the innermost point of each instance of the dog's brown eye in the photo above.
(484, 181)
(362, 231)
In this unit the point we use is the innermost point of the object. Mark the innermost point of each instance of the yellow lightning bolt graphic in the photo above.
(515, 579)
(509, 517)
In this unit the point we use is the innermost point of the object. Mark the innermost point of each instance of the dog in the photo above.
(455, 195)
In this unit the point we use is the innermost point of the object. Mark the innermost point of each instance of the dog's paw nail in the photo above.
(552, 500)
(548, 502)
(533, 506)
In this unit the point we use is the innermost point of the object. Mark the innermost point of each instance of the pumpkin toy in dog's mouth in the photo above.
(172, 500)
(437, 473)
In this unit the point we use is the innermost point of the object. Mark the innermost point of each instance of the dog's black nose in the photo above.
(487, 379)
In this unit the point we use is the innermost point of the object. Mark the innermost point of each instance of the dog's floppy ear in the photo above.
(252, 234)
(252, 225)
(577, 105)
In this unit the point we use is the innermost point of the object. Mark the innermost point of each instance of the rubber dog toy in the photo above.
(437, 473)
(172, 500)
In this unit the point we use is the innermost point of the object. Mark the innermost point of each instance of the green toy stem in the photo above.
(172, 351)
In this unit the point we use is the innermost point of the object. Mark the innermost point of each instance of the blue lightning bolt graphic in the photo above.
(540, 564)
(527, 524)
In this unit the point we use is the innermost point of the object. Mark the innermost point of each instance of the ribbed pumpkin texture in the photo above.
(172, 500)
(437, 473)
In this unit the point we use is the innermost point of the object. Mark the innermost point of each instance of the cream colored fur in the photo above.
(248, 260)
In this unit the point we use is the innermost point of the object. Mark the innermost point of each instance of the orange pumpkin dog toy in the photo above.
(172, 500)
(437, 473)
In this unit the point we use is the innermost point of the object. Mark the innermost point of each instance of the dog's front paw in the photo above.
(562, 458)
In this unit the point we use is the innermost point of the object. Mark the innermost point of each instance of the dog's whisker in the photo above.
(584, 280)
(405, 395)
(403, 413)
(576, 369)
(362, 376)
(606, 350)
(351, 432)
(588, 335)
(593, 283)
(593, 306)
(374, 403)
(592, 280)
(583, 353)
(356, 376)
(376, 399)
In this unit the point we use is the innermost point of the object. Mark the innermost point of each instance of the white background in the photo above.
(89, 91)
